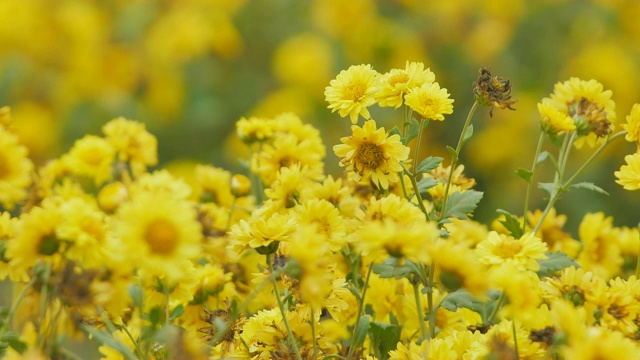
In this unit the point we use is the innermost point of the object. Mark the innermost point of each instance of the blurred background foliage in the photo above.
(190, 68)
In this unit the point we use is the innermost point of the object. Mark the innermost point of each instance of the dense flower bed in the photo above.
(289, 262)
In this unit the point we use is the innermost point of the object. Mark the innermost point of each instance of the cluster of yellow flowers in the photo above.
(289, 262)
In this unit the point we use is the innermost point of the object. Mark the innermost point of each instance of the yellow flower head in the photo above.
(633, 125)
(132, 143)
(600, 251)
(327, 219)
(157, 232)
(213, 185)
(459, 267)
(500, 249)
(392, 207)
(91, 156)
(573, 285)
(629, 174)
(430, 101)
(371, 154)
(255, 129)
(590, 107)
(553, 120)
(397, 82)
(261, 233)
(15, 170)
(397, 240)
(352, 91)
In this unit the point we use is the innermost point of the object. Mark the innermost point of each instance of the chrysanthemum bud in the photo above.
(240, 185)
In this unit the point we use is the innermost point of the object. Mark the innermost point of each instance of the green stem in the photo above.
(594, 155)
(231, 210)
(416, 295)
(292, 340)
(313, 335)
(497, 307)
(515, 339)
(16, 303)
(417, 152)
(414, 184)
(530, 183)
(167, 311)
(68, 354)
(133, 341)
(432, 312)
(360, 308)
(44, 295)
(454, 161)
(638, 259)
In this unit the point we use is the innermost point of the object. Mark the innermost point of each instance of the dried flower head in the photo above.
(493, 91)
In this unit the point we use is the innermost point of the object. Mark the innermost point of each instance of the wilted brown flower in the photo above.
(493, 91)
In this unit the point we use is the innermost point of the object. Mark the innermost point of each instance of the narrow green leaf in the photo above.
(554, 161)
(463, 299)
(461, 204)
(361, 332)
(384, 338)
(392, 268)
(412, 130)
(177, 312)
(555, 262)
(429, 164)
(542, 157)
(555, 140)
(511, 223)
(452, 153)
(589, 186)
(395, 131)
(104, 337)
(467, 133)
(525, 174)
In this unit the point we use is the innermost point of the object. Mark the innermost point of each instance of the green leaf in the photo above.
(104, 337)
(554, 161)
(426, 183)
(12, 339)
(429, 164)
(176, 313)
(412, 130)
(548, 187)
(361, 332)
(460, 204)
(384, 338)
(555, 262)
(525, 174)
(555, 140)
(392, 268)
(542, 157)
(511, 223)
(453, 154)
(588, 186)
(467, 133)
(463, 299)
(395, 131)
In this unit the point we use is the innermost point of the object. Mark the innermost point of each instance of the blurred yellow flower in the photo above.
(500, 249)
(91, 156)
(371, 154)
(352, 91)
(553, 120)
(263, 234)
(600, 252)
(132, 143)
(430, 101)
(633, 125)
(15, 170)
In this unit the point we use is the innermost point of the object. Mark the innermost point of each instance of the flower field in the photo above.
(226, 179)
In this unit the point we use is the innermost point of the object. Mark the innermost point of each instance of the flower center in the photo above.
(49, 244)
(509, 249)
(369, 155)
(161, 236)
(355, 91)
(401, 78)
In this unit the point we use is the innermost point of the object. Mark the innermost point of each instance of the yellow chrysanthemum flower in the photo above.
(157, 232)
(600, 252)
(392, 207)
(261, 233)
(500, 249)
(633, 125)
(553, 120)
(86, 227)
(213, 185)
(371, 154)
(352, 91)
(15, 170)
(551, 232)
(255, 129)
(397, 82)
(327, 219)
(132, 143)
(459, 267)
(572, 284)
(430, 101)
(600, 344)
(377, 238)
(629, 174)
(91, 156)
